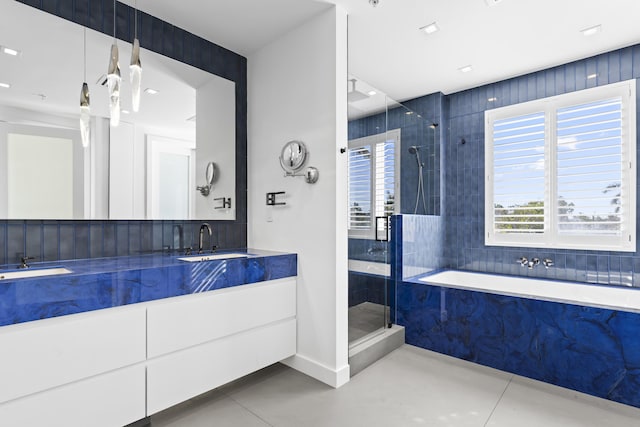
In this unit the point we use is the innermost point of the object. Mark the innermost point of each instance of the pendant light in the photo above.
(114, 77)
(85, 113)
(135, 68)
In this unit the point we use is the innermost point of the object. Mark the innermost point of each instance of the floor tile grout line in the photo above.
(249, 410)
(498, 402)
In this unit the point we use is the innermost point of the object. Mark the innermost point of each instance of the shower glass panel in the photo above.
(394, 168)
(374, 195)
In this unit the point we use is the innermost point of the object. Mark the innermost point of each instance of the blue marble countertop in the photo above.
(100, 283)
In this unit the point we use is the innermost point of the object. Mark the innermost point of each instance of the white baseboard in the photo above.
(334, 378)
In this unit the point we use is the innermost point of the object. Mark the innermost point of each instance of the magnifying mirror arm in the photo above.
(310, 175)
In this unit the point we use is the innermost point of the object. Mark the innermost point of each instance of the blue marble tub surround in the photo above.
(100, 283)
(588, 349)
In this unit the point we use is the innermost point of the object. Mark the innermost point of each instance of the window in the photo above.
(561, 171)
(373, 187)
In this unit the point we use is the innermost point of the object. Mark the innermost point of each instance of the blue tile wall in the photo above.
(54, 240)
(421, 244)
(415, 130)
(592, 350)
(366, 288)
(463, 174)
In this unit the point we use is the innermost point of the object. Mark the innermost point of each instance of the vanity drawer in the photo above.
(43, 354)
(179, 376)
(186, 321)
(112, 399)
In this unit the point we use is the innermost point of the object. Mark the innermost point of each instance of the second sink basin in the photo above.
(212, 257)
(33, 272)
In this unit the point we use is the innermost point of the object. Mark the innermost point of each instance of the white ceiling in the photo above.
(387, 50)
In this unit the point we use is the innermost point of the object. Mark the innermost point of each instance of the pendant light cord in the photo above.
(114, 21)
(135, 19)
(85, 53)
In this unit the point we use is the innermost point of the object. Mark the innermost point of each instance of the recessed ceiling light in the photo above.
(431, 28)
(465, 69)
(125, 111)
(9, 51)
(591, 30)
(592, 76)
(372, 92)
(493, 99)
(5, 85)
(492, 2)
(150, 91)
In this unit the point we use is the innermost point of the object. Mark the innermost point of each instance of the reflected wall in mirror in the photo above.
(128, 172)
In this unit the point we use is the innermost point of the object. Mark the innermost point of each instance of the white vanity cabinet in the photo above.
(77, 370)
(115, 366)
(198, 342)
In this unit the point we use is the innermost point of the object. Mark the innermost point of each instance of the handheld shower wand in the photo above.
(414, 149)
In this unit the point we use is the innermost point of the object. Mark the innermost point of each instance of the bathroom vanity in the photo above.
(197, 326)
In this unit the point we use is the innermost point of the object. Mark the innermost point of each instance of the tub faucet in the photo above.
(532, 263)
(203, 227)
(23, 261)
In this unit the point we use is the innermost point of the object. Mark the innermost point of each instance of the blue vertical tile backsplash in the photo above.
(463, 174)
(51, 240)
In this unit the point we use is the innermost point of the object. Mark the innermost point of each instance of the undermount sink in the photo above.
(212, 257)
(33, 272)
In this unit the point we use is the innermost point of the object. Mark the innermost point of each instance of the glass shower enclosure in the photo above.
(394, 162)
(373, 162)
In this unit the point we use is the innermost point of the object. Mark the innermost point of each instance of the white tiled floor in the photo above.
(409, 387)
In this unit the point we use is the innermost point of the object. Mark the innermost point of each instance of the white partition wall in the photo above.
(297, 90)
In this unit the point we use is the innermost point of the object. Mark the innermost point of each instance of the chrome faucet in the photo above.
(23, 261)
(203, 227)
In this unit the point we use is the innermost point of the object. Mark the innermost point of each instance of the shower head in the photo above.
(415, 149)
(355, 95)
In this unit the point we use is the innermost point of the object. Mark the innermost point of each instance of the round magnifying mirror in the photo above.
(211, 173)
(293, 156)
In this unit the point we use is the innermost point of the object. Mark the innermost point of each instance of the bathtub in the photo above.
(575, 335)
(614, 298)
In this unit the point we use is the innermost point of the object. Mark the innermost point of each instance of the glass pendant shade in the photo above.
(113, 84)
(85, 115)
(136, 75)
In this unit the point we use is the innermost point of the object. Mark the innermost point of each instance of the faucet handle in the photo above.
(187, 251)
(547, 262)
(23, 261)
(523, 261)
(213, 248)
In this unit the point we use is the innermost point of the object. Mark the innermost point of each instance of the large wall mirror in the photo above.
(148, 167)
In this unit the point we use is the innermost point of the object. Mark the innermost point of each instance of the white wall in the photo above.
(121, 171)
(297, 90)
(216, 142)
